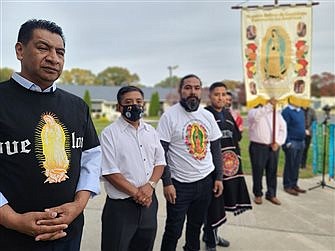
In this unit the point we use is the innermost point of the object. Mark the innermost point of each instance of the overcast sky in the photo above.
(201, 37)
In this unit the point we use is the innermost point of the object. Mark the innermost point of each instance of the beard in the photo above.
(190, 104)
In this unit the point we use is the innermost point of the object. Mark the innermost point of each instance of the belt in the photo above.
(260, 144)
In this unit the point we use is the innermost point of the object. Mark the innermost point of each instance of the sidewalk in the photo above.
(306, 222)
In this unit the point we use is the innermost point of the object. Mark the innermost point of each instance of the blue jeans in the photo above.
(293, 154)
(192, 200)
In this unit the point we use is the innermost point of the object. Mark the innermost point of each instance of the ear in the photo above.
(19, 50)
(118, 108)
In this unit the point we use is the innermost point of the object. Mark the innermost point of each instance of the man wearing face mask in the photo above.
(132, 164)
(191, 139)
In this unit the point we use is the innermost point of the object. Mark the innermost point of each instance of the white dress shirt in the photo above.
(260, 122)
(132, 152)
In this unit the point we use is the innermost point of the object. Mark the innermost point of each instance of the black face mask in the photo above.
(132, 112)
(190, 104)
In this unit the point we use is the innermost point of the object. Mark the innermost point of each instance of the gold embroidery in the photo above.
(53, 143)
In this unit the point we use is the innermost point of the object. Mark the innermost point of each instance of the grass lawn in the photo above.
(244, 144)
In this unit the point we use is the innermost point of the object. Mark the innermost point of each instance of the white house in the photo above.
(103, 98)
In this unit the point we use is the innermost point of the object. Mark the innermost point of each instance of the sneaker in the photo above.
(222, 242)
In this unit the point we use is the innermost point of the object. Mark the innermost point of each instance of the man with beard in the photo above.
(191, 140)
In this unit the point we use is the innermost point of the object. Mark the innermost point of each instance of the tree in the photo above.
(169, 82)
(328, 90)
(87, 99)
(5, 73)
(232, 84)
(241, 95)
(77, 76)
(316, 83)
(154, 105)
(116, 76)
(323, 85)
(238, 89)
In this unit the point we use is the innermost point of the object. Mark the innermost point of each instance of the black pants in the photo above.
(192, 200)
(262, 157)
(305, 152)
(128, 226)
(210, 236)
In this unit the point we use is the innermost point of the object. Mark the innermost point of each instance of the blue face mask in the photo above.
(132, 112)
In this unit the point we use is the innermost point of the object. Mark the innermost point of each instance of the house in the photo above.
(103, 98)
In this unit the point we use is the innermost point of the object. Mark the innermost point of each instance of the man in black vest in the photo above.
(49, 150)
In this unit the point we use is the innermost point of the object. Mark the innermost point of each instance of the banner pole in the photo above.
(274, 123)
(237, 7)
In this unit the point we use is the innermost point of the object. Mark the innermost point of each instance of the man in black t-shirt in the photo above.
(49, 150)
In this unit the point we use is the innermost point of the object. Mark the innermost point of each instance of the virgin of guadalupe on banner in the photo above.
(275, 56)
(276, 44)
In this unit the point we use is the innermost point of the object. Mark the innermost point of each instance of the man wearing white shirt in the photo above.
(132, 164)
(49, 149)
(263, 151)
(191, 139)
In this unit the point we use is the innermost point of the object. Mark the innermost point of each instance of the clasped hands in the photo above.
(50, 224)
(143, 195)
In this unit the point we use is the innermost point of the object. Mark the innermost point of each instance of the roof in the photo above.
(109, 92)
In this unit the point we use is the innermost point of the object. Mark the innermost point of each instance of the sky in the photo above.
(147, 37)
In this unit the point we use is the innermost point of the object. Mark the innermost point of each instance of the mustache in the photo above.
(192, 97)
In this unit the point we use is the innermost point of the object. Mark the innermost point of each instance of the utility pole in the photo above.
(171, 68)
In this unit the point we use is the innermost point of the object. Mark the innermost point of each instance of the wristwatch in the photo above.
(152, 184)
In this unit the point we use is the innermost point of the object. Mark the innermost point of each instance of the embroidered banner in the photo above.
(276, 49)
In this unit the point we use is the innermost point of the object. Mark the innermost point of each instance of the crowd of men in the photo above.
(52, 161)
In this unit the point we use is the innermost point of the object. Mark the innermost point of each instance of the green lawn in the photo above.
(244, 144)
(305, 173)
(100, 124)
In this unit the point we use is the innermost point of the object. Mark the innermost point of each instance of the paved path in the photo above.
(306, 222)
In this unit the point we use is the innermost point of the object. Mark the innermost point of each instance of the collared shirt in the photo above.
(90, 159)
(260, 121)
(30, 85)
(292, 107)
(132, 152)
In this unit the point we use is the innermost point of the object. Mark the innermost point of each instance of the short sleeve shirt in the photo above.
(131, 152)
(189, 135)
